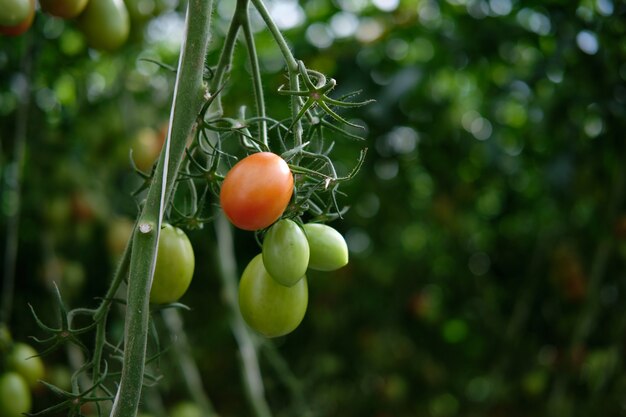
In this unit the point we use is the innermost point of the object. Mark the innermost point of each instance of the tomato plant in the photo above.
(268, 307)
(329, 250)
(15, 397)
(22, 25)
(174, 266)
(286, 252)
(256, 191)
(23, 359)
(105, 24)
(66, 9)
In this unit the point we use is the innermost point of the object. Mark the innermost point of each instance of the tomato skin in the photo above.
(285, 252)
(256, 191)
(14, 12)
(329, 250)
(23, 26)
(15, 397)
(65, 9)
(268, 307)
(119, 232)
(146, 147)
(23, 360)
(174, 266)
(105, 24)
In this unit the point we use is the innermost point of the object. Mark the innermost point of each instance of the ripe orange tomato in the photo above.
(256, 191)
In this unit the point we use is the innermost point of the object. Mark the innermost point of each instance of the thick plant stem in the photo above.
(187, 102)
(251, 371)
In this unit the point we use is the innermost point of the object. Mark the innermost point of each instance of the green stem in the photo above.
(187, 102)
(118, 278)
(288, 378)
(292, 63)
(101, 313)
(224, 62)
(188, 368)
(251, 371)
(292, 67)
(257, 83)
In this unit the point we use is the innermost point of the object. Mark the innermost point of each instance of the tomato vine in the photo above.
(182, 189)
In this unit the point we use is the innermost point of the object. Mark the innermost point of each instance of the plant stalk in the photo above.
(292, 67)
(187, 102)
(251, 371)
(257, 82)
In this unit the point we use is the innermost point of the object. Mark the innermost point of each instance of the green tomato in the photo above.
(268, 307)
(286, 252)
(174, 266)
(329, 250)
(23, 25)
(23, 360)
(140, 10)
(186, 409)
(13, 12)
(65, 9)
(105, 24)
(15, 398)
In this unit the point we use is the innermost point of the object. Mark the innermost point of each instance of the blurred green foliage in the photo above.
(487, 229)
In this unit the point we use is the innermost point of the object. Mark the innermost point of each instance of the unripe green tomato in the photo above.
(174, 266)
(146, 146)
(105, 24)
(186, 409)
(140, 10)
(268, 307)
(23, 25)
(118, 233)
(286, 252)
(23, 360)
(65, 9)
(329, 250)
(15, 398)
(13, 12)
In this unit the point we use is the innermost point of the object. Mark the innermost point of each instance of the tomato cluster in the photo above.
(22, 371)
(105, 23)
(273, 290)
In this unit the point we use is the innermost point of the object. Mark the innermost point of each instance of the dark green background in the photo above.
(486, 227)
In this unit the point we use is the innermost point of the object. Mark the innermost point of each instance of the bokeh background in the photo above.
(487, 228)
